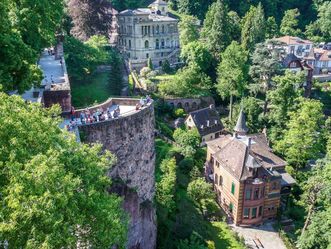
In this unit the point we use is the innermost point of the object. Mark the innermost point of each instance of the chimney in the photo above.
(235, 135)
(249, 142)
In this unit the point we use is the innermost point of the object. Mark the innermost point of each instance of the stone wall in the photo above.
(190, 105)
(131, 139)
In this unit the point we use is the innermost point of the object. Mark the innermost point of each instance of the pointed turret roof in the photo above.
(241, 123)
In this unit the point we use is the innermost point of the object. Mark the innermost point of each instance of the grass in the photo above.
(161, 78)
(223, 237)
(94, 90)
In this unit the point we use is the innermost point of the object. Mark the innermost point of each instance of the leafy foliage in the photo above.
(53, 189)
(187, 140)
(196, 8)
(188, 82)
(289, 25)
(253, 27)
(216, 28)
(302, 140)
(188, 30)
(83, 58)
(89, 18)
(165, 189)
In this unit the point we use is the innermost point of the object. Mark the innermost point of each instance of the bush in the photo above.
(179, 113)
(166, 67)
(186, 165)
(165, 130)
(144, 71)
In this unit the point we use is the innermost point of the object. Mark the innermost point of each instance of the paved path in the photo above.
(50, 67)
(265, 233)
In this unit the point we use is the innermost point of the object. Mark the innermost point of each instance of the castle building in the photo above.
(146, 33)
(250, 180)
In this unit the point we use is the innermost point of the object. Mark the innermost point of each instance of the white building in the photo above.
(146, 33)
(295, 45)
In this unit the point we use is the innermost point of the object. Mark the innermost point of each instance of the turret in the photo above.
(159, 7)
(241, 127)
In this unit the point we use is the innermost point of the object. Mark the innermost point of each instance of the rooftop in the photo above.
(207, 120)
(291, 40)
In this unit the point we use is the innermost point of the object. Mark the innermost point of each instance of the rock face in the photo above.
(131, 139)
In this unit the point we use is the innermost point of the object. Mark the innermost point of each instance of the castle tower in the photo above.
(241, 127)
(160, 7)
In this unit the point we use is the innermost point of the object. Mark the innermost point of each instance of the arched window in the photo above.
(157, 44)
(221, 181)
(146, 44)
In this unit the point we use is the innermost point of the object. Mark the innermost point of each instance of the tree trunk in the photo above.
(265, 107)
(231, 102)
(307, 221)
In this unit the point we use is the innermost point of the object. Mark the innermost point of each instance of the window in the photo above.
(292, 49)
(246, 213)
(307, 47)
(147, 56)
(216, 179)
(162, 43)
(157, 29)
(162, 29)
(231, 207)
(293, 64)
(130, 44)
(248, 194)
(221, 181)
(146, 44)
(233, 186)
(254, 213)
(157, 44)
(217, 164)
(260, 211)
(274, 185)
(256, 193)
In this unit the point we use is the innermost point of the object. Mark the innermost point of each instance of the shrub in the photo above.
(166, 67)
(179, 113)
(144, 71)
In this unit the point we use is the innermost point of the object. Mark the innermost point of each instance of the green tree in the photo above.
(188, 141)
(17, 65)
(116, 74)
(234, 26)
(53, 189)
(201, 193)
(188, 82)
(290, 22)
(37, 21)
(283, 98)
(166, 68)
(265, 65)
(188, 30)
(166, 187)
(196, 8)
(271, 28)
(317, 192)
(253, 28)
(320, 30)
(150, 64)
(302, 140)
(198, 54)
(232, 73)
(216, 28)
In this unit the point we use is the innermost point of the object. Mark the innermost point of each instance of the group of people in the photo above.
(88, 117)
(143, 102)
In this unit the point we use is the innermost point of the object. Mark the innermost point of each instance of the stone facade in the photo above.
(131, 139)
(148, 33)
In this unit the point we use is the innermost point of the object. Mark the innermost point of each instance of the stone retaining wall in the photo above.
(131, 139)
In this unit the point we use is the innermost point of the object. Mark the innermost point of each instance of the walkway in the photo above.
(265, 233)
(51, 67)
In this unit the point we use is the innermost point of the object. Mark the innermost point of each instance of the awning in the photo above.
(287, 179)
